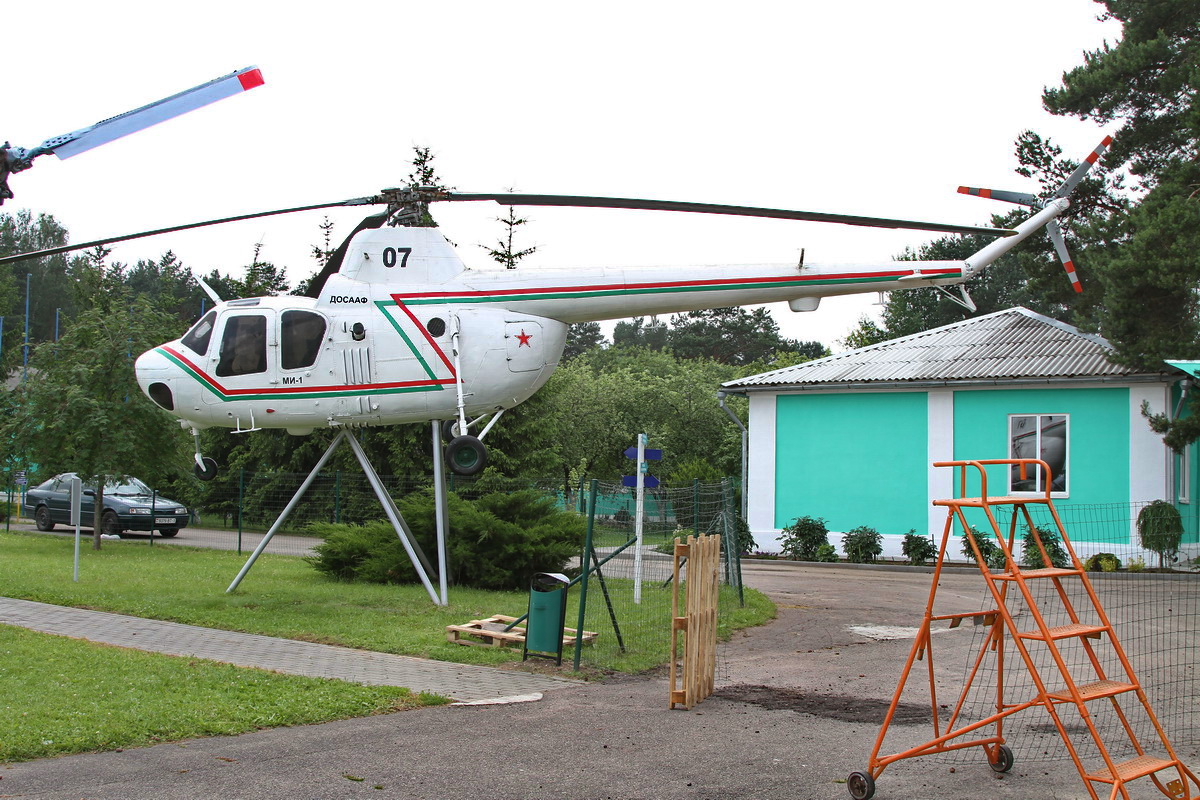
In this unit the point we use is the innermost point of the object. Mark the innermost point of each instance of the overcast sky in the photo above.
(877, 108)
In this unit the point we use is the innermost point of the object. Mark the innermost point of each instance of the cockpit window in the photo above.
(243, 346)
(197, 338)
(300, 335)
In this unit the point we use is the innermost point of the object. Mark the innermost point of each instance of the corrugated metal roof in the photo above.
(1007, 345)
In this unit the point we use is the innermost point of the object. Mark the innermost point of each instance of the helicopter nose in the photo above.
(153, 372)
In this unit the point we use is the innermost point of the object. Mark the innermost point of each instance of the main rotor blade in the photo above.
(356, 201)
(105, 131)
(713, 208)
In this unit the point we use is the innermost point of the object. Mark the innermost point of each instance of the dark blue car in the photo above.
(129, 505)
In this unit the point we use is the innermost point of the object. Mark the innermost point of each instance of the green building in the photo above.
(852, 437)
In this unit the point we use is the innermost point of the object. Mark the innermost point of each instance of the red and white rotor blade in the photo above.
(1060, 247)
(1075, 177)
(1020, 198)
(105, 131)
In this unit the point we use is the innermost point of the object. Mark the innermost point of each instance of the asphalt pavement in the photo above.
(798, 707)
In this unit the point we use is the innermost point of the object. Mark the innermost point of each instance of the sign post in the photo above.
(76, 501)
(641, 479)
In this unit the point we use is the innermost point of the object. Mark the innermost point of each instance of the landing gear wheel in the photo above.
(1004, 759)
(449, 430)
(466, 455)
(209, 472)
(861, 785)
(43, 520)
(109, 524)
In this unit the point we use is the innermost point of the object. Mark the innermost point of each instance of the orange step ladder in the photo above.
(1085, 642)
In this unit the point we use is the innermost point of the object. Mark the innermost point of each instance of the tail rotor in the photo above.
(1052, 227)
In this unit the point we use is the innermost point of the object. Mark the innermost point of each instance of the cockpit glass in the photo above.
(243, 346)
(197, 338)
(301, 333)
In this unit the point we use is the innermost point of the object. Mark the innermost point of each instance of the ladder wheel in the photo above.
(861, 785)
(1004, 759)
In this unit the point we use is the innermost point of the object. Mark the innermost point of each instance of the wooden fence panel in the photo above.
(698, 624)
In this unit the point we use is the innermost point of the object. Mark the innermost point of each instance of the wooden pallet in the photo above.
(491, 632)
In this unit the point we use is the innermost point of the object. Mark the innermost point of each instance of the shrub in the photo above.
(993, 556)
(918, 549)
(1102, 562)
(1136, 564)
(745, 539)
(1032, 557)
(826, 553)
(497, 542)
(1160, 529)
(801, 540)
(862, 544)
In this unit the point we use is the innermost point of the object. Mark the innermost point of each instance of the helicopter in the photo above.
(396, 329)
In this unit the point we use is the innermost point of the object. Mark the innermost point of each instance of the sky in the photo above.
(871, 107)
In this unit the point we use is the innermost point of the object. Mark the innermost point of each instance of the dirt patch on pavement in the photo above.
(829, 706)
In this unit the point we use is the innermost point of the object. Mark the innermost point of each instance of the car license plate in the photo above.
(164, 520)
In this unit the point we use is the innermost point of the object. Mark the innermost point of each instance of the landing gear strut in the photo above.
(205, 468)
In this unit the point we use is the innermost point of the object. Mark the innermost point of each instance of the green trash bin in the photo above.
(547, 616)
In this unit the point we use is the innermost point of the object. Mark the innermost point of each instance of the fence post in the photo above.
(241, 497)
(696, 505)
(337, 496)
(587, 567)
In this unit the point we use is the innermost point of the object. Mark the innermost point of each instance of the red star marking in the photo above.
(523, 339)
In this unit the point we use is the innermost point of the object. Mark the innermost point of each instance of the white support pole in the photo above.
(337, 440)
(439, 499)
(419, 562)
(639, 516)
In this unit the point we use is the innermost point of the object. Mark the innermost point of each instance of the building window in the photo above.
(301, 333)
(1041, 436)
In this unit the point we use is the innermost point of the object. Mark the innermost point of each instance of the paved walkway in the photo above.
(462, 682)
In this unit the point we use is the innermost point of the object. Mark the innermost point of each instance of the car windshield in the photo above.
(130, 487)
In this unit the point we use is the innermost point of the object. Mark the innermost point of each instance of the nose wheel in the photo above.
(205, 468)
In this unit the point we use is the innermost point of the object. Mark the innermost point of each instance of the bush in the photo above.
(745, 539)
(801, 540)
(497, 542)
(993, 556)
(862, 544)
(1136, 565)
(1102, 562)
(826, 553)
(1161, 530)
(918, 549)
(1031, 557)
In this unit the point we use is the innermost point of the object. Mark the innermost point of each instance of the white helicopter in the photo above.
(400, 331)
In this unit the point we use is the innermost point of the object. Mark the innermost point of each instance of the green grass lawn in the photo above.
(282, 596)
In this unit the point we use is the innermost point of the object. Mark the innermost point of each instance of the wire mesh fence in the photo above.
(631, 587)
(1154, 612)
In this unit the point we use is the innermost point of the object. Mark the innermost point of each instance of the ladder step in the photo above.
(977, 502)
(1048, 572)
(1133, 768)
(1090, 691)
(1067, 631)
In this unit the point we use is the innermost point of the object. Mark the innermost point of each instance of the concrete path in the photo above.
(461, 682)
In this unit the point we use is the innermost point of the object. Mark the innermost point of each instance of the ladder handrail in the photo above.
(979, 464)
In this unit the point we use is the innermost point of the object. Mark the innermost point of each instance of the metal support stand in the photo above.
(419, 561)
(441, 511)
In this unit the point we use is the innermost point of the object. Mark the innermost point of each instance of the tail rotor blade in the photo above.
(1020, 198)
(1060, 247)
(1075, 177)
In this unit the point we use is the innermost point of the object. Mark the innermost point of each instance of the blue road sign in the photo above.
(648, 454)
(648, 481)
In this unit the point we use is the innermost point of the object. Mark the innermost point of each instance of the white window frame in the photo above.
(1185, 475)
(1066, 490)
